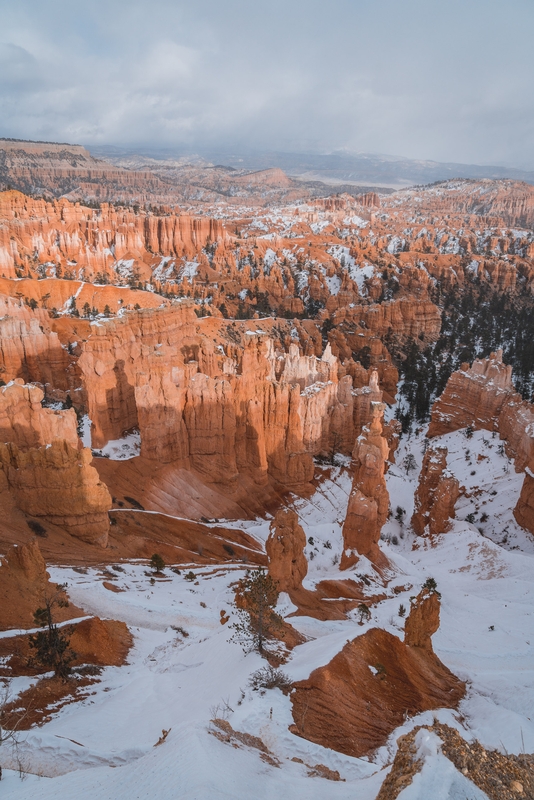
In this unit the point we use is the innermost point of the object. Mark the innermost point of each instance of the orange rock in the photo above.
(355, 702)
(524, 510)
(423, 620)
(24, 582)
(436, 494)
(101, 642)
(473, 396)
(369, 498)
(57, 483)
(285, 549)
(25, 423)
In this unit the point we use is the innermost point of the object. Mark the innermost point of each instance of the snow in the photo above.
(103, 746)
(188, 270)
(129, 446)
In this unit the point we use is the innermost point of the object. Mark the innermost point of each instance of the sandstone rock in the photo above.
(423, 620)
(354, 703)
(24, 582)
(285, 549)
(25, 423)
(101, 642)
(369, 498)
(436, 494)
(57, 483)
(473, 396)
(524, 510)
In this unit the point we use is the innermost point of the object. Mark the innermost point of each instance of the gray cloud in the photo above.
(450, 81)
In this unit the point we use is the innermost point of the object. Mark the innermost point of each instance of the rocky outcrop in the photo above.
(357, 700)
(524, 510)
(423, 620)
(31, 350)
(482, 396)
(473, 396)
(46, 470)
(220, 409)
(285, 549)
(25, 423)
(24, 582)
(58, 168)
(369, 499)
(436, 494)
(57, 483)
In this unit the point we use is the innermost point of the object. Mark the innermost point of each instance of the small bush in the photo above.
(180, 630)
(157, 563)
(36, 528)
(270, 678)
(431, 586)
(135, 503)
(190, 576)
(402, 610)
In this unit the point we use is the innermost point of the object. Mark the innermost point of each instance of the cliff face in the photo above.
(60, 168)
(436, 494)
(219, 408)
(483, 396)
(31, 350)
(82, 242)
(473, 396)
(369, 498)
(47, 472)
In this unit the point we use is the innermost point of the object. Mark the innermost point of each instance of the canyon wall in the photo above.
(45, 468)
(482, 396)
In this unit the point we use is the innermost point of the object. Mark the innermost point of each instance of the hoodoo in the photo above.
(369, 498)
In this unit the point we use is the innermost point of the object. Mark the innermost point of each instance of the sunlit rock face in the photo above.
(369, 498)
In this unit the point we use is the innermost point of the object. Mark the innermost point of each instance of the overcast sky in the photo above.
(449, 80)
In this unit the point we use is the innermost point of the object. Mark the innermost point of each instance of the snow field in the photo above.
(104, 745)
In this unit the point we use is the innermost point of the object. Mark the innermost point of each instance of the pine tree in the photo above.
(52, 645)
(257, 595)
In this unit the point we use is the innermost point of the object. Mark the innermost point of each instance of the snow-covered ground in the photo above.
(103, 747)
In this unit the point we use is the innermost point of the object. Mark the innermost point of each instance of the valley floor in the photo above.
(183, 671)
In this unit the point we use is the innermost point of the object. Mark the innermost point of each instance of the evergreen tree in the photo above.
(256, 595)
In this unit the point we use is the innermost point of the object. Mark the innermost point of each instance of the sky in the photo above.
(447, 80)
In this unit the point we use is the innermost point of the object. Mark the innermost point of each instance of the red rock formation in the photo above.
(31, 350)
(101, 642)
(524, 510)
(255, 409)
(436, 494)
(354, 703)
(24, 422)
(483, 396)
(48, 474)
(57, 483)
(285, 549)
(473, 396)
(423, 620)
(24, 582)
(369, 499)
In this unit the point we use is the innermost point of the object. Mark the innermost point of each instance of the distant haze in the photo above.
(426, 79)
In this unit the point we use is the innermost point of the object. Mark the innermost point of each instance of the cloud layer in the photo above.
(450, 81)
